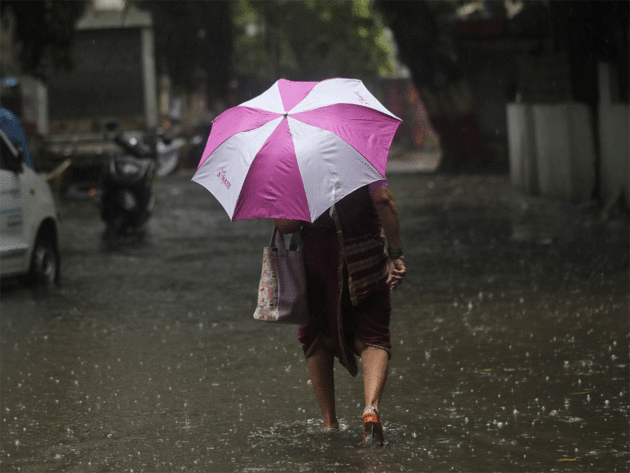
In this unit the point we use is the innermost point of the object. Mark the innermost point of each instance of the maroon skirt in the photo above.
(332, 312)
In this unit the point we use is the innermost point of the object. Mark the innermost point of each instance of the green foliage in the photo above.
(308, 40)
(44, 32)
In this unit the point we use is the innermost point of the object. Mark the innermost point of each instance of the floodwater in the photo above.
(511, 345)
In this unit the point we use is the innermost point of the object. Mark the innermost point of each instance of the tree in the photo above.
(308, 40)
(44, 31)
(193, 42)
(443, 89)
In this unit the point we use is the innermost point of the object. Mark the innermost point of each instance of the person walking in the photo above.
(10, 124)
(350, 274)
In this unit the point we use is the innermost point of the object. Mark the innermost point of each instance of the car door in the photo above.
(13, 244)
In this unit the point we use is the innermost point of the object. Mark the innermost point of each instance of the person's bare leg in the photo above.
(375, 368)
(321, 369)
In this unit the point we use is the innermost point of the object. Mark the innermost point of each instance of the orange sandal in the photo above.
(372, 429)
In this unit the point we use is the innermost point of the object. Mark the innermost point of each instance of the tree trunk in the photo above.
(443, 90)
(452, 118)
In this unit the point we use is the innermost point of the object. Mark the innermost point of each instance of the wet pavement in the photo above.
(511, 345)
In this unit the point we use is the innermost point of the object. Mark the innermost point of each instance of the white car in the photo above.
(28, 221)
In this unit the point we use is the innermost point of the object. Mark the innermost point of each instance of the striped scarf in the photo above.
(366, 260)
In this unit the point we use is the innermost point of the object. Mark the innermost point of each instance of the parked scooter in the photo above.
(168, 153)
(127, 182)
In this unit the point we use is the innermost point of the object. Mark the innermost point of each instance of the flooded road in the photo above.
(511, 345)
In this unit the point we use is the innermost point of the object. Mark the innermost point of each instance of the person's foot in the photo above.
(372, 429)
(330, 427)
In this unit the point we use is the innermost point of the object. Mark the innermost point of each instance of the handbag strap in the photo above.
(277, 241)
(296, 241)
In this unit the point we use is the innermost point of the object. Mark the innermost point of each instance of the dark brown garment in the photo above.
(347, 269)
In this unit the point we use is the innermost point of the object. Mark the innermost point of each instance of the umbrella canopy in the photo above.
(296, 149)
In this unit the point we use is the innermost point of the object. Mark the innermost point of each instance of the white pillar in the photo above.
(522, 146)
(150, 81)
(614, 131)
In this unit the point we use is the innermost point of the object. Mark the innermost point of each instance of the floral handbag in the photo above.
(282, 288)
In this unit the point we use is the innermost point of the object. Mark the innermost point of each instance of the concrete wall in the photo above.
(552, 150)
(614, 130)
(34, 104)
(522, 148)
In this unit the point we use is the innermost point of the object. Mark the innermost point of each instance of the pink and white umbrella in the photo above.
(296, 149)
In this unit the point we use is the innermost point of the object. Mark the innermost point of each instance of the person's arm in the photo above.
(387, 211)
(286, 225)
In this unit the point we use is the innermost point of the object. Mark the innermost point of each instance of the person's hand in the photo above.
(285, 225)
(397, 270)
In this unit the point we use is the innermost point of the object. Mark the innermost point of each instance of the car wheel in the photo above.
(45, 262)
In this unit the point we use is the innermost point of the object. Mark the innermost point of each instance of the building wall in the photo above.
(552, 148)
(614, 130)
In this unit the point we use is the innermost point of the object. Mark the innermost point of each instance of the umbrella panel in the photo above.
(311, 153)
(366, 130)
(273, 187)
(330, 167)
